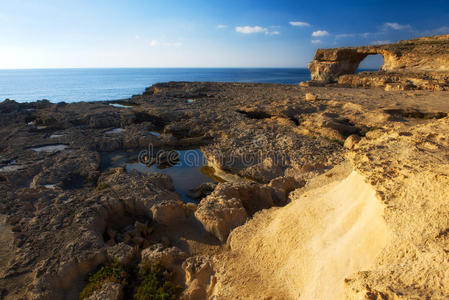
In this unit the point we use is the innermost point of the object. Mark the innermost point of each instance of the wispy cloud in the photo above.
(381, 42)
(383, 30)
(250, 29)
(382, 35)
(353, 35)
(256, 29)
(319, 33)
(316, 41)
(299, 24)
(156, 43)
(221, 26)
(435, 31)
(345, 35)
(395, 26)
(272, 32)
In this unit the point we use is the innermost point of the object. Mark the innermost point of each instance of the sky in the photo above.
(197, 33)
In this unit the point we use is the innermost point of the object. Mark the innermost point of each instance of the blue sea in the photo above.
(71, 85)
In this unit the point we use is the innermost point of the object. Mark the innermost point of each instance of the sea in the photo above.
(73, 85)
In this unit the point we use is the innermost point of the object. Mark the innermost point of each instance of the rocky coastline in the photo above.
(346, 167)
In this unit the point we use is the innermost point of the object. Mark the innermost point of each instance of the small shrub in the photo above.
(103, 186)
(155, 284)
(113, 272)
(147, 282)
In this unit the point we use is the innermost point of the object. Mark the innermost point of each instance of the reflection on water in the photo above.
(56, 136)
(11, 167)
(189, 172)
(115, 131)
(50, 148)
(120, 105)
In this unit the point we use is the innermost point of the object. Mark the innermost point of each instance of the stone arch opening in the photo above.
(372, 62)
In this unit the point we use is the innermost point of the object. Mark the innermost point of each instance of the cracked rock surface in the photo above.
(65, 210)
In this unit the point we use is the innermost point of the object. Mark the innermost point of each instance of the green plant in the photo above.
(113, 272)
(103, 185)
(155, 284)
(146, 282)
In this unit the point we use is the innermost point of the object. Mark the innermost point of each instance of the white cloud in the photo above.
(345, 35)
(365, 34)
(256, 29)
(353, 35)
(250, 29)
(395, 26)
(381, 42)
(221, 26)
(383, 28)
(154, 43)
(272, 32)
(316, 41)
(299, 24)
(320, 33)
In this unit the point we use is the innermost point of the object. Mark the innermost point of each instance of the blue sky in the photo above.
(231, 33)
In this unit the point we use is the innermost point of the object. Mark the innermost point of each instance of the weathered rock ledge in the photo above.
(421, 63)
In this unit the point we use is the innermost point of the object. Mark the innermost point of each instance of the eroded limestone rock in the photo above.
(169, 212)
(121, 252)
(60, 234)
(109, 291)
(202, 191)
(169, 257)
(230, 205)
(199, 278)
(404, 65)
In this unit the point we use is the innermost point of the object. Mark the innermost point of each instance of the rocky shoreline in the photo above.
(272, 151)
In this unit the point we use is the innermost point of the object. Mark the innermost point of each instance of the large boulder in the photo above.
(230, 205)
(169, 212)
(109, 291)
(121, 252)
(170, 258)
(219, 215)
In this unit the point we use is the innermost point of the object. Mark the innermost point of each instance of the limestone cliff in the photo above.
(412, 58)
(380, 232)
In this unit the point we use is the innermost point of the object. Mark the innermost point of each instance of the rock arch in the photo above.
(412, 56)
(329, 64)
(372, 62)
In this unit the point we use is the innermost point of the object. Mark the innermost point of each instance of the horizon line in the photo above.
(75, 68)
